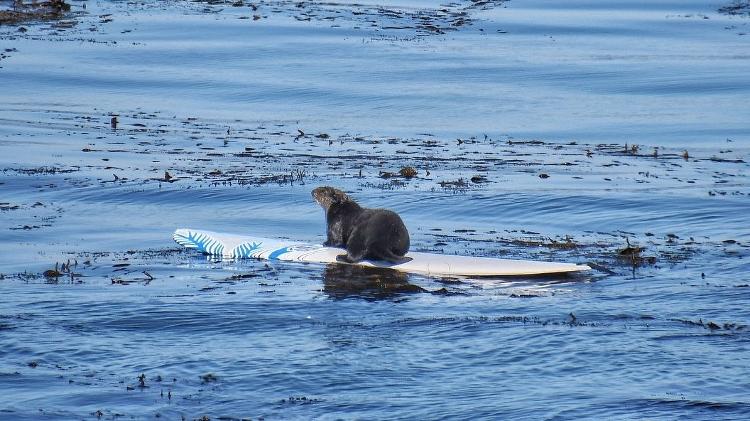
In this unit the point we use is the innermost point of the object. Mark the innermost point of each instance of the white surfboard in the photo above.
(242, 246)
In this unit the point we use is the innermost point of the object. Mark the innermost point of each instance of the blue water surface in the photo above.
(556, 131)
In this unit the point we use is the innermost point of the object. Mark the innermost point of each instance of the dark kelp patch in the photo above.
(712, 326)
(22, 12)
(7, 206)
(412, 21)
(737, 7)
(202, 154)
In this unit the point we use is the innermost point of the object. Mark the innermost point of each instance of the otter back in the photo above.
(375, 234)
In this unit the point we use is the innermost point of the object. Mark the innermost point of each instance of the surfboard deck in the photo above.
(243, 246)
(233, 246)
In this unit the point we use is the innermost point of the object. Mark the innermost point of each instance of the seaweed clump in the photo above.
(24, 12)
(633, 255)
(738, 7)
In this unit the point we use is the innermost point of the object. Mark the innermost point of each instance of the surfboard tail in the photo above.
(198, 240)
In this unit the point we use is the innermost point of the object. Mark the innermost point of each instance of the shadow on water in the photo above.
(350, 281)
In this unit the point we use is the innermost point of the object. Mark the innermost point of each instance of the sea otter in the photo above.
(376, 234)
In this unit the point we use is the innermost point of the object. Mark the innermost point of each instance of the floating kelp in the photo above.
(32, 11)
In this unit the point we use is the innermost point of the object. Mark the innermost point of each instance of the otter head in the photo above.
(327, 196)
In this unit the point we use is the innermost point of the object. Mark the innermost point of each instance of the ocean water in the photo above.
(559, 131)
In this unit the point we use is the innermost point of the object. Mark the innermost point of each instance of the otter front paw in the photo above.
(344, 258)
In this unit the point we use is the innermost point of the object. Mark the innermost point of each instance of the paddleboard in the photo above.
(243, 246)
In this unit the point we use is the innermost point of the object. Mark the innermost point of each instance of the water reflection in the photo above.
(351, 281)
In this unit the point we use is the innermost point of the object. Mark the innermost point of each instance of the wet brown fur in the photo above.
(374, 234)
